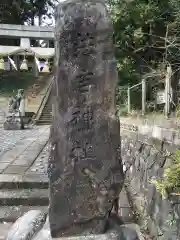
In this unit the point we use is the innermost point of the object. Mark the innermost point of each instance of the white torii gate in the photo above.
(22, 31)
(25, 33)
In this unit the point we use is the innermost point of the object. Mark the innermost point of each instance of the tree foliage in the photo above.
(146, 34)
(21, 11)
(170, 182)
(25, 11)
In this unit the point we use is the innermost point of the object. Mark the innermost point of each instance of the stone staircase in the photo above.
(44, 114)
(17, 198)
(40, 83)
(15, 202)
(22, 192)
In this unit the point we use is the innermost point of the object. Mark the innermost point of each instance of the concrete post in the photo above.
(35, 68)
(143, 96)
(16, 61)
(167, 90)
(25, 43)
(129, 100)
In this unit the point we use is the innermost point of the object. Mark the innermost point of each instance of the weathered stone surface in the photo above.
(161, 217)
(12, 213)
(124, 232)
(23, 158)
(85, 169)
(4, 228)
(27, 226)
(23, 196)
(12, 125)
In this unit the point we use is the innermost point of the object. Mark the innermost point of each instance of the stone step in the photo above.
(29, 181)
(46, 120)
(26, 197)
(48, 104)
(12, 213)
(43, 122)
(4, 228)
(46, 117)
(46, 114)
(48, 111)
(47, 108)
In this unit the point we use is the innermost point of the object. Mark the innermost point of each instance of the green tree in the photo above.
(143, 33)
(24, 11)
(13, 12)
(40, 9)
(21, 11)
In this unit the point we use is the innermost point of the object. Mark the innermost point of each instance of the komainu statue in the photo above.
(14, 102)
(16, 112)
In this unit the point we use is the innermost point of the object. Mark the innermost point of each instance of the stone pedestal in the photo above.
(124, 232)
(13, 122)
(35, 226)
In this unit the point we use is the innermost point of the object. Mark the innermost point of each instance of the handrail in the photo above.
(135, 85)
(43, 102)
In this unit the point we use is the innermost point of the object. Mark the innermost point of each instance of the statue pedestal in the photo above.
(124, 232)
(34, 225)
(13, 122)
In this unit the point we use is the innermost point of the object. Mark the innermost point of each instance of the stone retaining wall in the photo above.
(169, 135)
(144, 159)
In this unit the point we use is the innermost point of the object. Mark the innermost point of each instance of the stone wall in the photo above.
(144, 159)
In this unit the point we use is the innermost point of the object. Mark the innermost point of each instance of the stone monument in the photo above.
(85, 169)
(16, 112)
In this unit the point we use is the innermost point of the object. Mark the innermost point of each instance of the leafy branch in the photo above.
(170, 181)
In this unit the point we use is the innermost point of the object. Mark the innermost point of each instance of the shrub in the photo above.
(171, 178)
